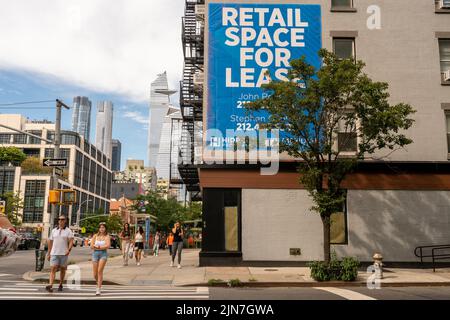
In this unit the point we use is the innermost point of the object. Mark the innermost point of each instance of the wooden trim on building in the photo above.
(252, 179)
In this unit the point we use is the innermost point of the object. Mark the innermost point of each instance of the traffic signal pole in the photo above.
(57, 143)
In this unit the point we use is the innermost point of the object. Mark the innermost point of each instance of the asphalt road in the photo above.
(351, 293)
(24, 260)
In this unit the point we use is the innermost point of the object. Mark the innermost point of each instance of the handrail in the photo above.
(418, 252)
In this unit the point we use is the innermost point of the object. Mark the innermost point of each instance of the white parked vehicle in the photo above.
(78, 240)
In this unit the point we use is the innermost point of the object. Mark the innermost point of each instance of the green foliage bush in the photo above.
(345, 270)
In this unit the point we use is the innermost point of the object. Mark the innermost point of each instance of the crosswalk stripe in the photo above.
(345, 293)
(5, 274)
(124, 288)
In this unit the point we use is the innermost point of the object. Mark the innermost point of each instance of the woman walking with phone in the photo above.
(139, 245)
(177, 245)
(100, 244)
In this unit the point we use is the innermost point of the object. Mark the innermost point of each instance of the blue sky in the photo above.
(90, 48)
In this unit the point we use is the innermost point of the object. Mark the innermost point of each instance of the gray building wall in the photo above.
(128, 190)
(390, 222)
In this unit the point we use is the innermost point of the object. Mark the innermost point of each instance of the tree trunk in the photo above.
(326, 238)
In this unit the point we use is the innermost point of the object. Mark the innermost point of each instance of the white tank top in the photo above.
(138, 237)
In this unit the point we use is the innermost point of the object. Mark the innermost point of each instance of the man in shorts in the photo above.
(60, 244)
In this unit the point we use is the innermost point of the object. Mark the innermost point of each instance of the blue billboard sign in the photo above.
(249, 44)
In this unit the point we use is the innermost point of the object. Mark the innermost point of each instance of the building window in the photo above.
(447, 116)
(7, 181)
(33, 140)
(344, 48)
(338, 226)
(347, 137)
(34, 201)
(5, 138)
(20, 139)
(342, 3)
(442, 6)
(444, 52)
(78, 168)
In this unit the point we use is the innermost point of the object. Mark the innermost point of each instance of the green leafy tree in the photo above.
(33, 165)
(12, 155)
(14, 204)
(323, 111)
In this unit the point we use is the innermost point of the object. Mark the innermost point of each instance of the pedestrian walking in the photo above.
(60, 244)
(139, 245)
(125, 237)
(177, 245)
(156, 243)
(100, 245)
(170, 242)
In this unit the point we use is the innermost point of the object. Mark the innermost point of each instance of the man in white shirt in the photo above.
(60, 244)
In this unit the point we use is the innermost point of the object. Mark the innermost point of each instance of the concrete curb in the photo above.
(44, 279)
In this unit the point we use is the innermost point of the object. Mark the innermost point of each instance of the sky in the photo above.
(102, 49)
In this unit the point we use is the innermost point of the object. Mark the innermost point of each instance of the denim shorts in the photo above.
(98, 255)
(58, 261)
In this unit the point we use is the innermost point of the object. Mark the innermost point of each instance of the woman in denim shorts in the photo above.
(100, 244)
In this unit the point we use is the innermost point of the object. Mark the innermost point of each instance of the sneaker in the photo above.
(97, 292)
(179, 266)
(49, 288)
(171, 264)
(60, 288)
(138, 263)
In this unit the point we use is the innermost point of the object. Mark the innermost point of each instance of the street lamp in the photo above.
(79, 212)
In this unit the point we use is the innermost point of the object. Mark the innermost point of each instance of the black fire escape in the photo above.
(191, 96)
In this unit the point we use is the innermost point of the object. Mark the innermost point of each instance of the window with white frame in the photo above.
(347, 138)
(444, 53)
(447, 116)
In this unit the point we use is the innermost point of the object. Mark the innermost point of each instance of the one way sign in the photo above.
(55, 162)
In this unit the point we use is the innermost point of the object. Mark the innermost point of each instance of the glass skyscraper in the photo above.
(103, 128)
(116, 155)
(159, 106)
(81, 116)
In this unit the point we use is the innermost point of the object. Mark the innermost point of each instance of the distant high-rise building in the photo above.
(116, 155)
(169, 129)
(103, 128)
(81, 116)
(159, 105)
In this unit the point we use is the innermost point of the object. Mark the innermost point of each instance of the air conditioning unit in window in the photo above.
(444, 4)
(199, 78)
(447, 75)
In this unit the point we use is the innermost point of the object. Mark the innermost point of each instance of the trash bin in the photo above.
(40, 259)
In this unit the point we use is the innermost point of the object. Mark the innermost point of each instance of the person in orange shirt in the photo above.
(169, 242)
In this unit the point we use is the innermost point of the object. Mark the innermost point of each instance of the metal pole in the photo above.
(79, 212)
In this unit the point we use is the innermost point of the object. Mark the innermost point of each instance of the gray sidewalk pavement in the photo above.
(157, 271)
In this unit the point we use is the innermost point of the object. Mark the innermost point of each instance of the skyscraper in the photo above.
(116, 155)
(103, 128)
(81, 116)
(168, 151)
(159, 105)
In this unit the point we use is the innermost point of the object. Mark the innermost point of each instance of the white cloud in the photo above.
(136, 116)
(115, 46)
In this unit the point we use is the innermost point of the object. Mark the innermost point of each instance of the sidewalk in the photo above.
(156, 271)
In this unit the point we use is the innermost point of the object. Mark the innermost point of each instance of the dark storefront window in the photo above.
(221, 216)
(34, 201)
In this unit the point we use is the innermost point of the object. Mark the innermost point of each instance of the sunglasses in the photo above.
(62, 219)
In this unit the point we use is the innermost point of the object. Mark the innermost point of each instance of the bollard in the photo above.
(378, 264)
